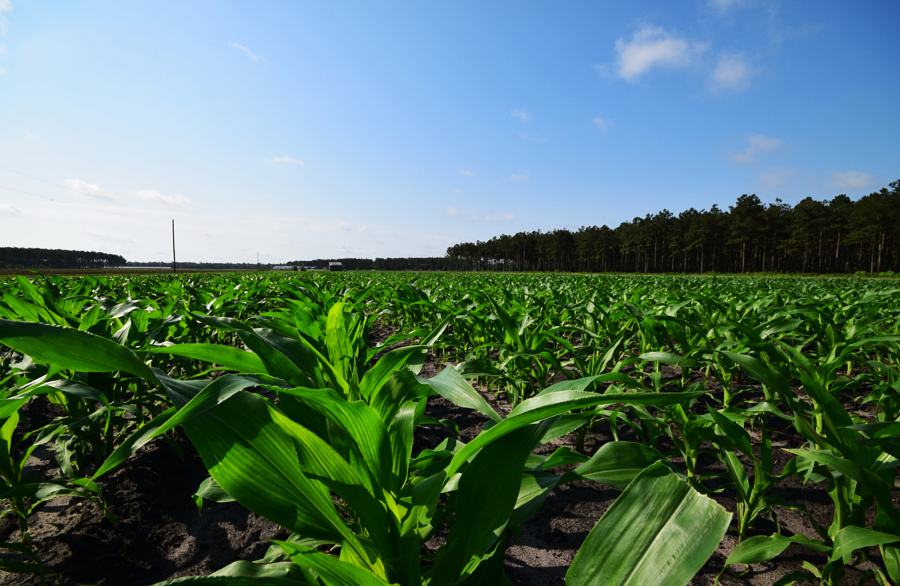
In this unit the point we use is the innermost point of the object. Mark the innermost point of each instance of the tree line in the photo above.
(828, 236)
(383, 264)
(44, 258)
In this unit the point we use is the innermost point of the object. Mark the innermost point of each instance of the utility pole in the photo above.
(174, 266)
(257, 262)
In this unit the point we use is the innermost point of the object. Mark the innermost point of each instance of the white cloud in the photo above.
(32, 138)
(8, 209)
(349, 226)
(5, 6)
(2, 50)
(653, 46)
(88, 189)
(471, 215)
(522, 175)
(852, 180)
(523, 115)
(2, 71)
(723, 5)
(466, 173)
(253, 56)
(777, 179)
(530, 137)
(464, 215)
(732, 72)
(286, 160)
(153, 196)
(602, 123)
(757, 143)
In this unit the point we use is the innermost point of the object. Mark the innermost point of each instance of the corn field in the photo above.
(301, 419)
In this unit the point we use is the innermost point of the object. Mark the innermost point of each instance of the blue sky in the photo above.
(302, 130)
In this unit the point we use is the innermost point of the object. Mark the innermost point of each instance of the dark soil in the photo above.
(162, 535)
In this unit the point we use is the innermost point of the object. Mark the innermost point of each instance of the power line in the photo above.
(43, 180)
(66, 203)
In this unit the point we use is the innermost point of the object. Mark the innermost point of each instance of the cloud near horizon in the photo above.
(88, 189)
(654, 47)
(852, 180)
(8, 209)
(757, 143)
(153, 196)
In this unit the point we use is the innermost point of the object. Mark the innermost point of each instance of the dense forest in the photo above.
(830, 236)
(44, 258)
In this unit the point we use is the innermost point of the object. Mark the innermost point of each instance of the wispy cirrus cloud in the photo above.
(522, 175)
(8, 209)
(5, 6)
(723, 5)
(350, 226)
(286, 160)
(757, 143)
(253, 56)
(153, 196)
(523, 115)
(602, 123)
(732, 72)
(778, 179)
(852, 180)
(652, 47)
(465, 172)
(32, 138)
(89, 189)
(471, 215)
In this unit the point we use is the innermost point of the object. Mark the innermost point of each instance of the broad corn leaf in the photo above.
(659, 531)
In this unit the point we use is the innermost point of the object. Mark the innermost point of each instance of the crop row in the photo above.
(297, 418)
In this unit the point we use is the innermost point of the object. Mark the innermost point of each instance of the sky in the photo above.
(299, 130)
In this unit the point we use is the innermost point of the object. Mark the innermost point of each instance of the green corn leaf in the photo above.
(887, 514)
(134, 442)
(254, 461)
(226, 356)
(659, 531)
(71, 349)
(487, 494)
(337, 340)
(617, 463)
(333, 572)
(386, 366)
(548, 405)
(453, 387)
(761, 548)
(851, 538)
